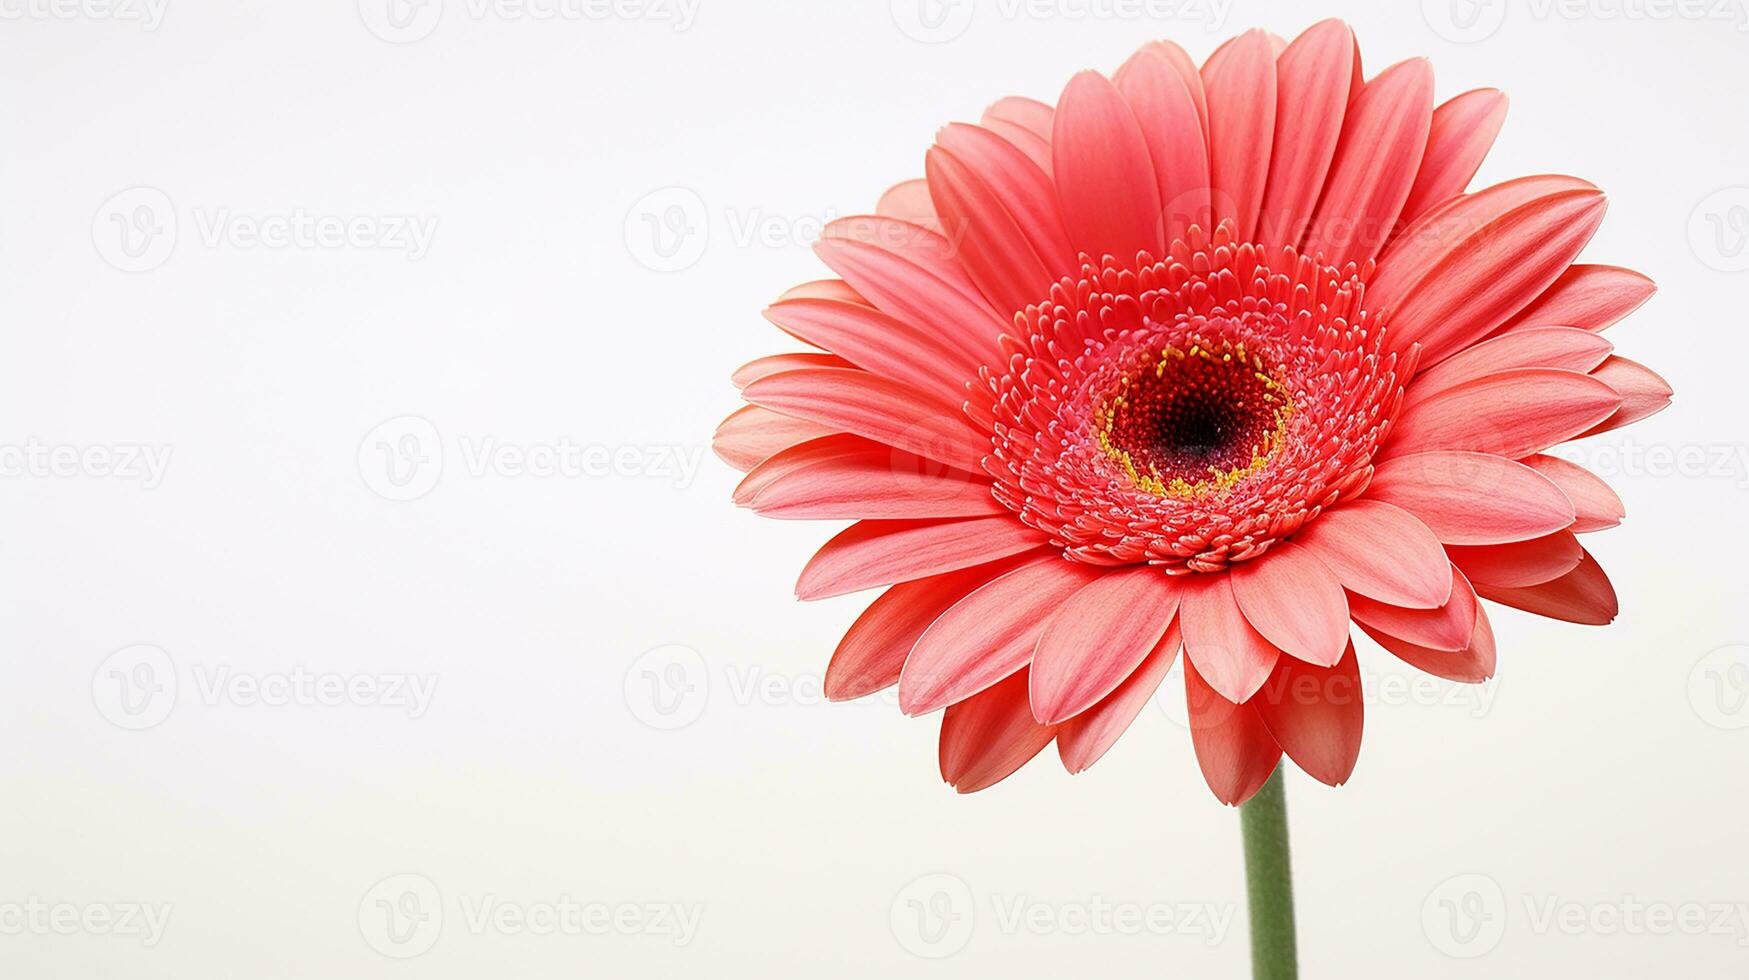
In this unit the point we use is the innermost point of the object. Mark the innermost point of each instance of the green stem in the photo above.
(1269, 882)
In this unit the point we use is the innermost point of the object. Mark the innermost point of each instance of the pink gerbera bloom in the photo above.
(1215, 360)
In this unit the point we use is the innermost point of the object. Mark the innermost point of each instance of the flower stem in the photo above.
(1269, 882)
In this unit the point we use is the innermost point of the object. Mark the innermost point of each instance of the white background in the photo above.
(1602, 772)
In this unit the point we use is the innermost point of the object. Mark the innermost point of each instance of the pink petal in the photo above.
(1295, 601)
(1239, 83)
(1380, 551)
(752, 435)
(1462, 132)
(1491, 274)
(1643, 392)
(770, 364)
(1105, 178)
(1233, 746)
(988, 737)
(1597, 505)
(909, 202)
(876, 342)
(840, 477)
(1029, 114)
(1218, 638)
(1447, 628)
(1566, 348)
(1473, 498)
(825, 289)
(1312, 80)
(1163, 106)
(1097, 639)
(994, 247)
(1512, 413)
(894, 282)
(1521, 563)
(869, 554)
(1024, 190)
(1316, 714)
(873, 650)
(1582, 596)
(1189, 74)
(1590, 297)
(988, 635)
(1383, 140)
(1085, 738)
(876, 408)
(1472, 665)
(1431, 237)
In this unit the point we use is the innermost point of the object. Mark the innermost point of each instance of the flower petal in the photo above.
(770, 364)
(1597, 505)
(988, 737)
(988, 635)
(1462, 132)
(1582, 596)
(1383, 140)
(1511, 413)
(840, 477)
(1218, 638)
(1381, 551)
(1643, 392)
(909, 202)
(1316, 714)
(876, 342)
(1473, 498)
(752, 435)
(1097, 638)
(1233, 746)
(1239, 83)
(1472, 665)
(869, 554)
(994, 248)
(1174, 132)
(1565, 348)
(895, 283)
(1447, 628)
(1105, 178)
(1024, 190)
(1312, 80)
(1295, 601)
(1590, 297)
(877, 408)
(1085, 738)
(873, 650)
(1521, 563)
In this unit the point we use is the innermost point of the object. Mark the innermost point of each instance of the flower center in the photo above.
(1194, 420)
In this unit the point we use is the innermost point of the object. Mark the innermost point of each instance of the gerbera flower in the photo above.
(1217, 361)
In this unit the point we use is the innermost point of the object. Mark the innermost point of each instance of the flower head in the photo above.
(1215, 361)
